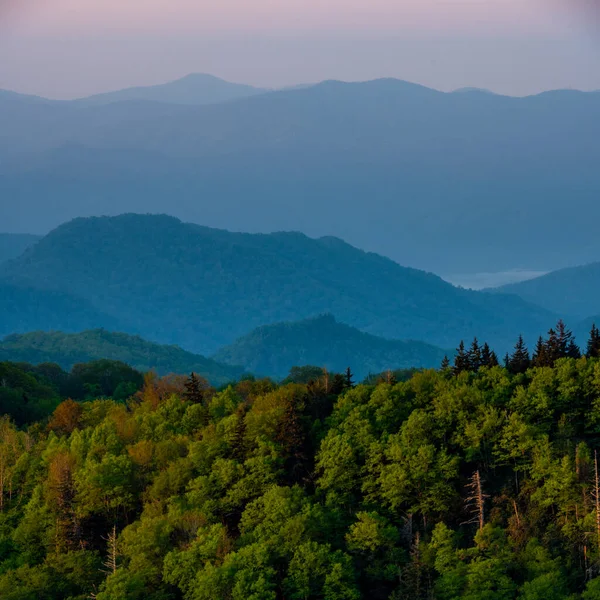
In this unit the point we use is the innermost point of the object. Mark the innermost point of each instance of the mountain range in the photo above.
(202, 288)
(573, 291)
(323, 342)
(68, 349)
(433, 180)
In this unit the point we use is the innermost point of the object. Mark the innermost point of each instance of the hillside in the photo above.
(70, 349)
(273, 349)
(194, 89)
(434, 180)
(27, 308)
(13, 244)
(574, 291)
(202, 288)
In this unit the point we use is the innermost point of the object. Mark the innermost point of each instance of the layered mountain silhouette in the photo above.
(194, 89)
(574, 291)
(433, 180)
(322, 341)
(68, 349)
(202, 288)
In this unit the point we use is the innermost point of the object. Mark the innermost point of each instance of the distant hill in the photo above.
(68, 349)
(13, 244)
(24, 308)
(273, 349)
(203, 288)
(194, 89)
(446, 182)
(573, 291)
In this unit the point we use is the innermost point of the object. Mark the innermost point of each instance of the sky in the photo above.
(73, 48)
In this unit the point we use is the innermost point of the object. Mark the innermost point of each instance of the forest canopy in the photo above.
(472, 481)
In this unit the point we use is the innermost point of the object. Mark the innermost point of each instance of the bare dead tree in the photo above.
(475, 501)
(110, 564)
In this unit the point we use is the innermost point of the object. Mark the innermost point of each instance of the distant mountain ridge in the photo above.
(433, 180)
(321, 341)
(68, 349)
(194, 90)
(202, 288)
(572, 291)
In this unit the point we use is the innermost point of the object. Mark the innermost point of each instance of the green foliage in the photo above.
(306, 490)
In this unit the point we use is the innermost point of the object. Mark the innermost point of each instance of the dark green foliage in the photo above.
(68, 349)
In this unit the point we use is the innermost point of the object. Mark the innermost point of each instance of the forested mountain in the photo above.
(194, 89)
(467, 485)
(202, 288)
(13, 244)
(574, 291)
(433, 180)
(272, 349)
(28, 308)
(67, 350)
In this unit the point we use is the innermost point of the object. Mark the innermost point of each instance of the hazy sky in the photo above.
(68, 48)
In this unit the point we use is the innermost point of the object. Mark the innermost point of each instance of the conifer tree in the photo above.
(540, 356)
(474, 358)
(445, 364)
(519, 362)
(493, 360)
(593, 345)
(193, 389)
(349, 381)
(461, 360)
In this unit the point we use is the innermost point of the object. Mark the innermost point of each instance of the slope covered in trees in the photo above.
(574, 291)
(433, 180)
(202, 288)
(69, 349)
(450, 485)
(272, 349)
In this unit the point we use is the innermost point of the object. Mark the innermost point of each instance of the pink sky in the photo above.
(66, 48)
(262, 16)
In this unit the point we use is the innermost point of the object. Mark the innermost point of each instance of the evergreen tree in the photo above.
(540, 356)
(193, 389)
(445, 364)
(474, 357)
(461, 360)
(349, 382)
(493, 361)
(593, 345)
(519, 362)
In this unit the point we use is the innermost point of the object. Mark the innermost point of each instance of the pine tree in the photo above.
(445, 364)
(540, 356)
(593, 345)
(474, 358)
(349, 383)
(461, 360)
(519, 362)
(493, 361)
(193, 389)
